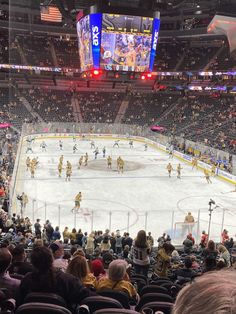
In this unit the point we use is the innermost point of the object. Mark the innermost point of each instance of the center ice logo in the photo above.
(95, 35)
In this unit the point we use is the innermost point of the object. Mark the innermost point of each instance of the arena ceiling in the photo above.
(164, 6)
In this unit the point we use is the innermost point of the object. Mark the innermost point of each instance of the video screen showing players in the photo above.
(125, 52)
(84, 42)
(126, 43)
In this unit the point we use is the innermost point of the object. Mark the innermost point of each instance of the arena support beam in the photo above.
(224, 25)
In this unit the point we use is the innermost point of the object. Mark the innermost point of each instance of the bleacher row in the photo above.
(105, 272)
(198, 118)
(26, 49)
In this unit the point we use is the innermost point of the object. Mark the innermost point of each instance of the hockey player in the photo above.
(194, 163)
(145, 147)
(27, 163)
(118, 163)
(29, 147)
(43, 145)
(86, 159)
(60, 145)
(32, 169)
(80, 162)
(68, 165)
(92, 144)
(131, 144)
(171, 151)
(116, 144)
(35, 162)
(78, 199)
(213, 170)
(109, 162)
(104, 152)
(207, 176)
(96, 152)
(75, 148)
(68, 171)
(179, 168)
(169, 169)
(121, 165)
(61, 159)
(59, 167)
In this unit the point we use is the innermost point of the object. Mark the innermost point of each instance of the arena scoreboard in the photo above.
(117, 42)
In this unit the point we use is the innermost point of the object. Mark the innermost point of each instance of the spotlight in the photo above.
(143, 77)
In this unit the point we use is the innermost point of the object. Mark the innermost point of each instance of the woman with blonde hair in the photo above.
(140, 252)
(79, 268)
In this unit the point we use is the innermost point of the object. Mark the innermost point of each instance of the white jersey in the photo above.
(140, 255)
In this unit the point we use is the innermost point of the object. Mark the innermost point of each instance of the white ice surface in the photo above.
(122, 201)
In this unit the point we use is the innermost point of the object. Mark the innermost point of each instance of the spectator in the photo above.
(224, 254)
(46, 278)
(6, 281)
(98, 269)
(56, 235)
(204, 240)
(140, 254)
(19, 264)
(58, 252)
(105, 245)
(211, 293)
(90, 244)
(66, 233)
(188, 245)
(37, 229)
(210, 255)
(187, 273)
(163, 259)
(79, 268)
(117, 279)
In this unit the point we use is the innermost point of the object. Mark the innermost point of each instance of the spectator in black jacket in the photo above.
(47, 279)
(19, 265)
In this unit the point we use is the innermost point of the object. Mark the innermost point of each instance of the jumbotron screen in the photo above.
(117, 42)
(126, 42)
(85, 43)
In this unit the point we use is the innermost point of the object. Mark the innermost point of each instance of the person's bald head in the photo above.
(5, 259)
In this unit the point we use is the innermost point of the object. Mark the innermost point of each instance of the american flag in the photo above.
(50, 14)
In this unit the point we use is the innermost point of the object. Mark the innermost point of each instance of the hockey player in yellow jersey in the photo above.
(35, 162)
(121, 165)
(194, 163)
(213, 170)
(68, 171)
(169, 169)
(207, 176)
(61, 159)
(80, 162)
(68, 165)
(109, 162)
(27, 163)
(59, 169)
(86, 159)
(32, 169)
(179, 168)
(78, 199)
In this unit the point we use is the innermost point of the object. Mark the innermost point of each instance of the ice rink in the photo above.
(143, 197)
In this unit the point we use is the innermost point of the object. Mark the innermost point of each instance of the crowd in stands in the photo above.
(12, 110)
(51, 105)
(99, 107)
(176, 55)
(75, 265)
